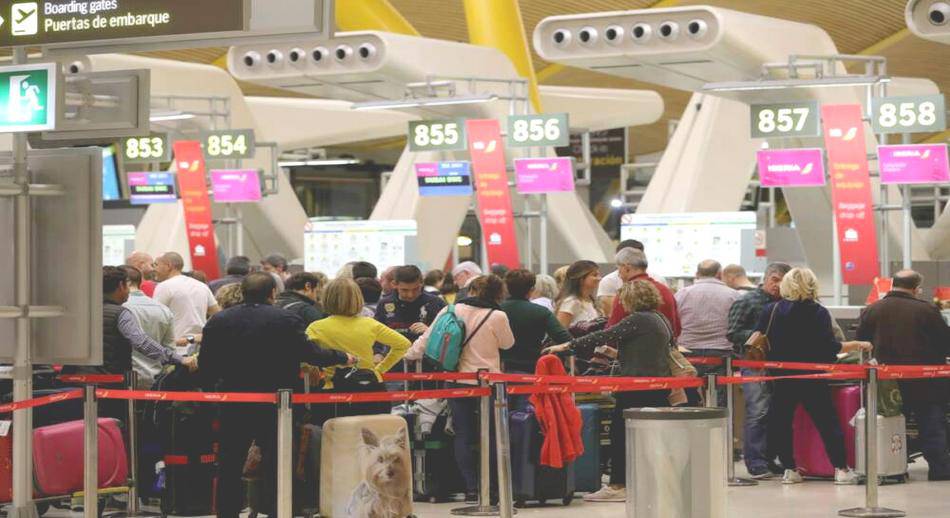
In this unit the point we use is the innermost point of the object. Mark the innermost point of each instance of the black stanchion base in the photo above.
(477, 510)
(872, 512)
(126, 514)
(741, 482)
(28, 511)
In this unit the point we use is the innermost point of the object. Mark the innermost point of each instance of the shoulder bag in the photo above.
(757, 346)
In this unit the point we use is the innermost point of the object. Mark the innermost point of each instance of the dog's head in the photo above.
(384, 463)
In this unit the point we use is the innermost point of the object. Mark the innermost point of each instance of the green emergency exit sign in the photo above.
(28, 98)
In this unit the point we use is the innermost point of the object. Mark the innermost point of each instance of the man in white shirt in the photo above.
(190, 301)
(610, 285)
(157, 322)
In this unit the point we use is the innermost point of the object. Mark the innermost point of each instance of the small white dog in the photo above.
(386, 489)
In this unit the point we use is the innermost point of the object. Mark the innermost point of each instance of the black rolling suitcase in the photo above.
(435, 473)
(532, 482)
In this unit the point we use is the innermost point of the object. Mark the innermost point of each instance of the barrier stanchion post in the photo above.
(711, 394)
(132, 507)
(285, 465)
(731, 477)
(871, 508)
(90, 482)
(484, 507)
(506, 506)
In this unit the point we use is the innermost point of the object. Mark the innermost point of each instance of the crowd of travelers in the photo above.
(255, 326)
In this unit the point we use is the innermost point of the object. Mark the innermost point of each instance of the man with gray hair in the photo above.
(191, 301)
(632, 265)
(463, 275)
(743, 318)
(235, 270)
(704, 312)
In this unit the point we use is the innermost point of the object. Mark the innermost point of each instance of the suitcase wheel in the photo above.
(42, 508)
(520, 504)
(542, 501)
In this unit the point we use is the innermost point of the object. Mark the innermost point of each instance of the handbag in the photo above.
(757, 346)
(679, 367)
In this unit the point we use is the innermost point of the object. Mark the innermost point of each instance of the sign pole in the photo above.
(22, 369)
(544, 235)
(907, 216)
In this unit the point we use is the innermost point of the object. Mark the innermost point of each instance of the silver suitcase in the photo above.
(891, 446)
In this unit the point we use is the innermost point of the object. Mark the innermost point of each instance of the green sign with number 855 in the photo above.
(437, 135)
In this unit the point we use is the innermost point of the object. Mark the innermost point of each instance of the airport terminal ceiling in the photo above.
(872, 27)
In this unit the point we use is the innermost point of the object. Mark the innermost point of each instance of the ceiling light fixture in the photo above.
(782, 84)
(320, 162)
(424, 101)
(171, 116)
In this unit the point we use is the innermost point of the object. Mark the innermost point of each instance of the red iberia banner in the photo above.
(487, 149)
(197, 206)
(851, 192)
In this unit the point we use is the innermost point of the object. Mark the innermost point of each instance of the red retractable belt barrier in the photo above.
(705, 360)
(41, 401)
(431, 376)
(366, 397)
(640, 384)
(91, 378)
(908, 372)
(800, 366)
(736, 380)
(199, 397)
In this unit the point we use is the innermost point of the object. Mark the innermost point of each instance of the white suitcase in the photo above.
(891, 446)
(366, 469)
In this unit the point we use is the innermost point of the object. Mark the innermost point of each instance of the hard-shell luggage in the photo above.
(58, 457)
(587, 478)
(532, 482)
(891, 447)
(435, 473)
(809, 449)
(372, 472)
(6, 462)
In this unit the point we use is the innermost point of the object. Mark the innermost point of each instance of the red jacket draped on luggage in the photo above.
(559, 419)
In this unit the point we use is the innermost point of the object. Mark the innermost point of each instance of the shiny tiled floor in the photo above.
(770, 499)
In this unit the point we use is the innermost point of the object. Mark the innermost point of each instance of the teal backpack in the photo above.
(447, 339)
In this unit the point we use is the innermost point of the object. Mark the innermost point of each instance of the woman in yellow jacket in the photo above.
(345, 330)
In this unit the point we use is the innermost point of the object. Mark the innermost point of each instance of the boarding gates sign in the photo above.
(28, 98)
(66, 21)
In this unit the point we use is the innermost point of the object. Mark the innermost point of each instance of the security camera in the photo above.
(939, 13)
(697, 29)
(367, 51)
(296, 55)
(76, 67)
(613, 34)
(251, 59)
(274, 57)
(587, 36)
(343, 52)
(669, 30)
(562, 37)
(319, 54)
(641, 32)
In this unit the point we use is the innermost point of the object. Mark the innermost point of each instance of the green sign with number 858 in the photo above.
(912, 114)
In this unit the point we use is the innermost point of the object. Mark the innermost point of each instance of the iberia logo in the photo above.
(191, 167)
(845, 136)
(484, 147)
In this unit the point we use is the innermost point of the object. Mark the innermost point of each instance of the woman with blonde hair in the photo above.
(229, 295)
(575, 302)
(800, 329)
(643, 340)
(346, 330)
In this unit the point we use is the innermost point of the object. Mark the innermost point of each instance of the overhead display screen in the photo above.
(110, 175)
(118, 242)
(676, 243)
(146, 187)
(328, 245)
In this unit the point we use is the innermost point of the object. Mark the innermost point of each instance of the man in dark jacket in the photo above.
(906, 330)
(408, 310)
(300, 297)
(236, 268)
(530, 323)
(254, 347)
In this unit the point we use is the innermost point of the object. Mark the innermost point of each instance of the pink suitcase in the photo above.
(58, 457)
(809, 450)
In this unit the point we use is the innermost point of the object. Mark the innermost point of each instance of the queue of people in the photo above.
(258, 327)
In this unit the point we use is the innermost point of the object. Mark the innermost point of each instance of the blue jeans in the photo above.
(465, 421)
(758, 397)
(932, 423)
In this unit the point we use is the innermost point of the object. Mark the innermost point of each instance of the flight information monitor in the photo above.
(675, 243)
(110, 175)
(328, 245)
(149, 187)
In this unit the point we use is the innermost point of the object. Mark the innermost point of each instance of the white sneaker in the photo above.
(607, 494)
(792, 477)
(845, 477)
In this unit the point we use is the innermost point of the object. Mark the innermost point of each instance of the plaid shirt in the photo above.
(744, 316)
